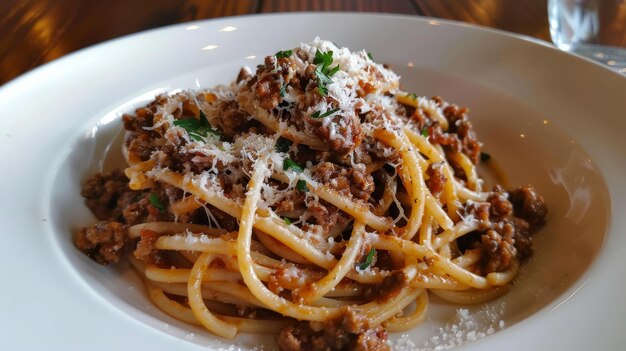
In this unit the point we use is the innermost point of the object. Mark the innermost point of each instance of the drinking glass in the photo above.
(592, 28)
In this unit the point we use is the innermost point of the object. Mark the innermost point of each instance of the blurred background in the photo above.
(38, 31)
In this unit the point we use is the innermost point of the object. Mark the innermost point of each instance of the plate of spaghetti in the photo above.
(322, 190)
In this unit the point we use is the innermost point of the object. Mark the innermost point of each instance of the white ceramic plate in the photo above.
(550, 119)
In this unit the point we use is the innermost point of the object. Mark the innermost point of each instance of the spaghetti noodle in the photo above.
(313, 199)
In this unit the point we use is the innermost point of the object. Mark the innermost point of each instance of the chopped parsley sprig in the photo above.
(319, 114)
(301, 185)
(323, 72)
(156, 202)
(283, 144)
(289, 164)
(198, 129)
(284, 53)
(368, 260)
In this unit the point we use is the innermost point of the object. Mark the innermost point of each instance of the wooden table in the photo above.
(38, 31)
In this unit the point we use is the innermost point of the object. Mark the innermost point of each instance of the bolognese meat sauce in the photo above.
(321, 114)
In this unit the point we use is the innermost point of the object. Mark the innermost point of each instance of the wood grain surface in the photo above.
(38, 31)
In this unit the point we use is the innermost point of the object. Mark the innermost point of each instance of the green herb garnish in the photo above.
(322, 81)
(301, 185)
(284, 53)
(316, 114)
(412, 96)
(156, 202)
(283, 90)
(484, 156)
(287, 220)
(369, 54)
(287, 164)
(424, 132)
(368, 260)
(323, 72)
(198, 129)
(323, 59)
(282, 145)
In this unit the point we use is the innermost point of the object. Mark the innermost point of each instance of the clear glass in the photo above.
(592, 28)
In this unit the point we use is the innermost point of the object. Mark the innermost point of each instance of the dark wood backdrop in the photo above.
(34, 32)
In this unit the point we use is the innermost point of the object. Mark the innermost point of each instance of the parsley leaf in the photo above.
(323, 58)
(198, 129)
(369, 54)
(282, 145)
(156, 202)
(368, 260)
(317, 114)
(424, 132)
(288, 163)
(484, 156)
(284, 53)
(301, 185)
(323, 72)
(287, 220)
(283, 89)
(189, 124)
(322, 81)
(333, 71)
(412, 96)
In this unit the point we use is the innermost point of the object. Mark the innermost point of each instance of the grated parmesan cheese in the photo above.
(464, 327)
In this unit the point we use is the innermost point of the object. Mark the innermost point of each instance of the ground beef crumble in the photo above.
(103, 242)
(270, 78)
(343, 134)
(145, 249)
(143, 145)
(436, 179)
(108, 196)
(351, 331)
(505, 231)
(143, 117)
(292, 201)
(229, 118)
(102, 192)
(529, 205)
(354, 182)
(499, 250)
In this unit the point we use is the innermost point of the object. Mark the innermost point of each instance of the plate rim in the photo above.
(67, 58)
(418, 18)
